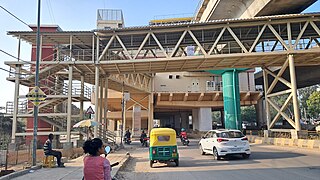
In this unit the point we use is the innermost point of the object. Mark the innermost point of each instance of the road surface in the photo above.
(266, 162)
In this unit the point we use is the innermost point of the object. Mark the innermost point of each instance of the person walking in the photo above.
(47, 147)
(244, 128)
(95, 166)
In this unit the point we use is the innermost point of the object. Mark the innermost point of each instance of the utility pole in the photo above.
(122, 116)
(35, 107)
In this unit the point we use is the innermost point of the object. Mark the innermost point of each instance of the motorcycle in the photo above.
(144, 142)
(185, 141)
(127, 140)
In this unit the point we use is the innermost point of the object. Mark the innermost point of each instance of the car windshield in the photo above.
(230, 134)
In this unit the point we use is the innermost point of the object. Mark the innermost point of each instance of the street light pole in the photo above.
(35, 108)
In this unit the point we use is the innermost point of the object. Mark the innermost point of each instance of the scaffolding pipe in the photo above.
(69, 104)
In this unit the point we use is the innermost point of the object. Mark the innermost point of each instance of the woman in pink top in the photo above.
(95, 166)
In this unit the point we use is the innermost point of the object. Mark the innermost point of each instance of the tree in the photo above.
(6, 125)
(303, 95)
(313, 103)
(248, 113)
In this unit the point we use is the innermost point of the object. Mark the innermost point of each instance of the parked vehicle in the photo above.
(163, 146)
(222, 142)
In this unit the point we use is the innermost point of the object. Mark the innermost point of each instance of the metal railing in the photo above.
(109, 15)
(109, 136)
(312, 135)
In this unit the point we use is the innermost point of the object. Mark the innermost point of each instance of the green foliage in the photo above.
(216, 116)
(313, 103)
(248, 113)
(6, 125)
(304, 94)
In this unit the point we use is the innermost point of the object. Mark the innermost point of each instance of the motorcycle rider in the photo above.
(127, 136)
(183, 133)
(184, 137)
(142, 136)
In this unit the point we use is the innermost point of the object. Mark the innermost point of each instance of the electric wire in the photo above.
(23, 74)
(14, 16)
(28, 62)
(50, 11)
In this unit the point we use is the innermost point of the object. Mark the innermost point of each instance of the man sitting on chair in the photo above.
(47, 147)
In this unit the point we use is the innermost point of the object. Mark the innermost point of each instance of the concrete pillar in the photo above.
(150, 113)
(105, 110)
(15, 103)
(205, 119)
(184, 120)
(150, 105)
(69, 104)
(267, 106)
(124, 114)
(101, 104)
(136, 120)
(195, 119)
(96, 99)
(294, 93)
(231, 99)
(81, 96)
(260, 113)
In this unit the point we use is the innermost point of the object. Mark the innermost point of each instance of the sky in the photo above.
(72, 15)
(77, 15)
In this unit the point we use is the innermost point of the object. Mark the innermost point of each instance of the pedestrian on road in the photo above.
(47, 147)
(244, 127)
(95, 166)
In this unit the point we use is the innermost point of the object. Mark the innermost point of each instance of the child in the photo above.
(95, 166)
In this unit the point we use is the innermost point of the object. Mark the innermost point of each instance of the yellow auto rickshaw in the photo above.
(163, 146)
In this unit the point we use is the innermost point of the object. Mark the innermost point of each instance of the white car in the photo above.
(222, 142)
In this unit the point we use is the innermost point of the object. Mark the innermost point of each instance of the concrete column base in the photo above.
(266, 133)
(299, 134)
(80, 143)
(12, 146)
(67, 149)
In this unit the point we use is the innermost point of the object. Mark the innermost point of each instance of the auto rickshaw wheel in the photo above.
(151, 163)
(177, 162)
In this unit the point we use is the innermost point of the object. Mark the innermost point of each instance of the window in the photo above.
(211, 86)
(177, 76)
(230, 134)
(170, 76)
(163, 138)
(208, 135)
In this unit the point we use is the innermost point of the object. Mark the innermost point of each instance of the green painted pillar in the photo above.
(231, 99)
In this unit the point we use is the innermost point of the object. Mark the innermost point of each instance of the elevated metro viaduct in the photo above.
(218, 9)
(138, 52)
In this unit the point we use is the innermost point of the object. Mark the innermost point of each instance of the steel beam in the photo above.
(294, 92)
(69, 110)
(16, 101)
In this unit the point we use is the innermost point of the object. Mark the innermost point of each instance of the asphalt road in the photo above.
(266, 162)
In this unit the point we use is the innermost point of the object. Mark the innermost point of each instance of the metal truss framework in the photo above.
(131, 54)
(293, 120)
